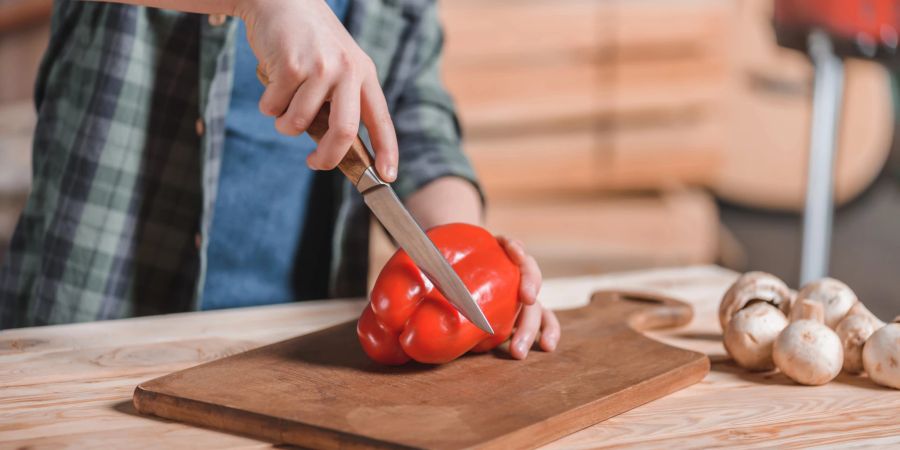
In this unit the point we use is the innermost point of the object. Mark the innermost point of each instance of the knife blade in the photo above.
(357, 166)
(401, 225)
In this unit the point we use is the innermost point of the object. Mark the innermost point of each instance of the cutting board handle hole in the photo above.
(642, 299)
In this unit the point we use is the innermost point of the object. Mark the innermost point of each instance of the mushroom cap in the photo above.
(881, 356)
(808, 352)
(751, 333)
(860, 309)
(836, 297)
(760, 286)
(853, 331)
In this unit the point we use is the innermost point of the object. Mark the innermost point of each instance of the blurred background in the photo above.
(621, 134)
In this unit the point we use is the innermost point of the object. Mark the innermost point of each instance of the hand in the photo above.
(534, 317)
(309, 58)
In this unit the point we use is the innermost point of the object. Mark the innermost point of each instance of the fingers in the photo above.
(549, 330)
(295, 96)
(303, 108)
(529, 324)
(533, 318)
(378, 121)
(279, 91)
(530, 284)
(343, 126)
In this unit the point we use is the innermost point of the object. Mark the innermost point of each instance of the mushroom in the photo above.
(807, 351)
(860, 310)
(836, 298)
(853, 331)
(881, 355)
(759, 286)
(751, 333)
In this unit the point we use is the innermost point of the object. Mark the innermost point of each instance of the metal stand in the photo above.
(817, 215)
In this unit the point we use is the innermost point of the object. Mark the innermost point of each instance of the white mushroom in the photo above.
(881, 355)
(807, 351)
(751, 333)
(853, 331)
(754, 286)
(860, 309)
(836, 298)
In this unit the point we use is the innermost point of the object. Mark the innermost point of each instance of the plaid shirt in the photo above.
(131, 110)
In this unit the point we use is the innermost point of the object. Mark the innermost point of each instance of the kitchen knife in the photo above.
(358, 167)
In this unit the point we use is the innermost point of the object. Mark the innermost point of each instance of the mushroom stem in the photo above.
(808, 310)
(835, 296)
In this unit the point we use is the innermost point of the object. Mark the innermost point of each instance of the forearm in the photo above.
(227, 7)
(446, 200)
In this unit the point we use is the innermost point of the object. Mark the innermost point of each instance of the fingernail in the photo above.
(391, 173)
(522, 348)
(552, 341)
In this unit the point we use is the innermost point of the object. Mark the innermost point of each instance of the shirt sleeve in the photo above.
(428, 130)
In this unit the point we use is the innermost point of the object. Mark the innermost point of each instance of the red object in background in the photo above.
(408, 318)
(877, 20)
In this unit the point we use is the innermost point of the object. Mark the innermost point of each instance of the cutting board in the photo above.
(321, 391)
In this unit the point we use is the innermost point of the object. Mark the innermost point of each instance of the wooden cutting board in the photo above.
(321, 391)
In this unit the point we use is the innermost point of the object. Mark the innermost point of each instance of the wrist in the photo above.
(241, 9)
(446, 200)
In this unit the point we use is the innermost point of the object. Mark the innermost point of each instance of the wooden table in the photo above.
(71, 385)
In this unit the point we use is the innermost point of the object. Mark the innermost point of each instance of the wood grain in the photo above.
(321, 391)
(620, 72)
(729, 407)
(596, 160)
(590, 234)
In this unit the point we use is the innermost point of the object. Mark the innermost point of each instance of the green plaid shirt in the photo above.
(131, 108)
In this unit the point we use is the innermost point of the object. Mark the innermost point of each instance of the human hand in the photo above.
(309, 58)
(533, 318)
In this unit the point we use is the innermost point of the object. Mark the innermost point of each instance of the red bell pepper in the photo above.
(408, 318)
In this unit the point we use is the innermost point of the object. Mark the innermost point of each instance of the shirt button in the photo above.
(216, 19)
(199, 126)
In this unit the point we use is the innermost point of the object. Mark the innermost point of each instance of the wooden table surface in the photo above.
(71, 385)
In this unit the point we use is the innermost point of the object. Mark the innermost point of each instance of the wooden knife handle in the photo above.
(356, 160)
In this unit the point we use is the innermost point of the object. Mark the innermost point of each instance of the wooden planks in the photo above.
(577, 99)
(321, 391)
(591, 234)
(729, 407)
(584, 161)
(555, 71)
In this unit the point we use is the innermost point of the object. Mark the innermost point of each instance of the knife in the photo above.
(358, 167)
